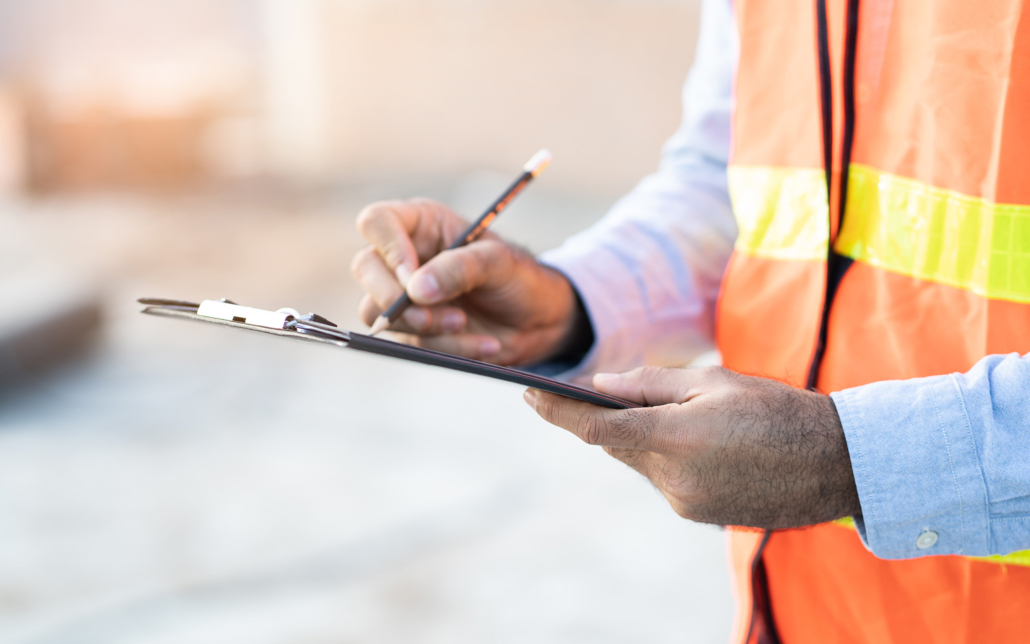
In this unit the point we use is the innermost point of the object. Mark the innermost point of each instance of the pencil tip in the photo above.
(379, 325)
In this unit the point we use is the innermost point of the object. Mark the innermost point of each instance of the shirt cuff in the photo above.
(919, 479)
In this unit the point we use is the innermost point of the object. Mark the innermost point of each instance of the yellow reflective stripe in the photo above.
(846, 522)
(893, 223)
(911, 228)
(1020, 558)
(780, 212)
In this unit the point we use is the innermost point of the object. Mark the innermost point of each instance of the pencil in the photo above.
(532, 169)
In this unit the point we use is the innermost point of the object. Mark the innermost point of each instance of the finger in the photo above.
(367, 310)
(383, 290)
(388, 226)
(467, 345)
(419, 320)
(630, 428)
(431, 321)
(375, 277)
(653, 386)
(482, 264)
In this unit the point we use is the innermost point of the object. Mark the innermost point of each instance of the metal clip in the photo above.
(244, 314)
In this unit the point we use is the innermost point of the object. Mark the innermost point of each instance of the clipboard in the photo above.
(289, 323)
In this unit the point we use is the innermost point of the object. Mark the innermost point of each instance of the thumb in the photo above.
(484, 263)
(653, 386)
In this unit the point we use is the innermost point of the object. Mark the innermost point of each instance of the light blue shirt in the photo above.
(942, 464)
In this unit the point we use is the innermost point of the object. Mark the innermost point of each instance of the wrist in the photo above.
(559, 330)
(840, 477)
(578, 336)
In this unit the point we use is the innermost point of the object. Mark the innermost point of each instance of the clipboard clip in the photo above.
(230, 311)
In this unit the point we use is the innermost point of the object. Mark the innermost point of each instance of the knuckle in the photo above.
(393, 255)
(375, 212)
(592, 429)
(545, 407)
(624, 430)
(369, 215)
(649, 372)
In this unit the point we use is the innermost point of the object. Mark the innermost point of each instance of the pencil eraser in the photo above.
(538, 163)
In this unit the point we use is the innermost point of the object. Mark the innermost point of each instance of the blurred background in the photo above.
(161, 483)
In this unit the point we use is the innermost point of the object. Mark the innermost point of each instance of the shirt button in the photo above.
(926, 540)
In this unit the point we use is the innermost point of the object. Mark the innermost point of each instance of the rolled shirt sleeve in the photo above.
(942, 464)
(649, 272)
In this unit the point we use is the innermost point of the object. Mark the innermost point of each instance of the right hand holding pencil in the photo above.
(488, 300)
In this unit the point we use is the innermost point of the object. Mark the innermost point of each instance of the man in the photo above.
(898, 282)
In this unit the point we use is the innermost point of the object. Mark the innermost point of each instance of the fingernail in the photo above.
(416, 317)
(424, 287)
(452, 321)
(403, 274)
(489, 347)
(530, 397)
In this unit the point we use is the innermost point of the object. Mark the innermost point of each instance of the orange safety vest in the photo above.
(920, 109)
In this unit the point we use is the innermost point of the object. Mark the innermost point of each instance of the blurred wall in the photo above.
(12, 143)
(158, 93)
(120, 94)
(445, 86)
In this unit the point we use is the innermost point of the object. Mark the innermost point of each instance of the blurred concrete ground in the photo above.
(188, 484)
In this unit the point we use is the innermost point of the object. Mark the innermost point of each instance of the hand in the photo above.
(721, 447)
(487, 300)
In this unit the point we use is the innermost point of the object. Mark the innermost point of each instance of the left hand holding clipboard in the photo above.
(721, 447)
